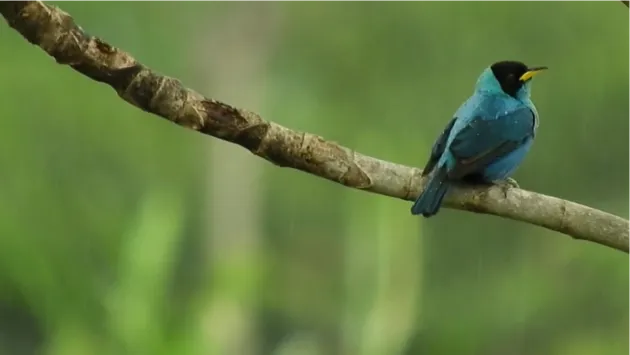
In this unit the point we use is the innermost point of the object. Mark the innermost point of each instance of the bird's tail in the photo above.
(430, 200)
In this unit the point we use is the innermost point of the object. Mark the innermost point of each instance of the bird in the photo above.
(487, 138)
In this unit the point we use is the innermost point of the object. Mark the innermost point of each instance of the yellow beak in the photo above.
(530, 73)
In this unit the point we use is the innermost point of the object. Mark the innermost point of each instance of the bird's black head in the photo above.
(511, 75)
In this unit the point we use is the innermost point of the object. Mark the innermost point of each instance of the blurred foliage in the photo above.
(104, 215)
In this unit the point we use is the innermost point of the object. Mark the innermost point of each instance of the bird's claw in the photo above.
(506, 185)
(512, 183)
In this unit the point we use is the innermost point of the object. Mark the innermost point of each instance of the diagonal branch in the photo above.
(56, 33)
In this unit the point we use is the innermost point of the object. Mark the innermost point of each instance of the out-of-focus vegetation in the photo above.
(121, 233)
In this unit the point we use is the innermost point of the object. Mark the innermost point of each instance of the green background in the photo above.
(121, 233)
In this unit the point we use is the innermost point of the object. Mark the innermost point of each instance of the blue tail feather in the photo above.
(430, 200)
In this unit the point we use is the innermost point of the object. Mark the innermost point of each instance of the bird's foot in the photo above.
(506, 185)
(511, 182)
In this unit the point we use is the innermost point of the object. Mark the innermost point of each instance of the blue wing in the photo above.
(438, 148)
(484, 141)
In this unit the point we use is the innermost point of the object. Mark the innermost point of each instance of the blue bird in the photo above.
(487, 138)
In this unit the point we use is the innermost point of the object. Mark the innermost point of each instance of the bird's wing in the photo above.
(484, 140)
(438, 148)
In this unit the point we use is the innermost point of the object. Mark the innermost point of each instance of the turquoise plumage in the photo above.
(488, 137)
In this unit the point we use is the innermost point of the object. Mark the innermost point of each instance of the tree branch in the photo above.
(56, 33)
